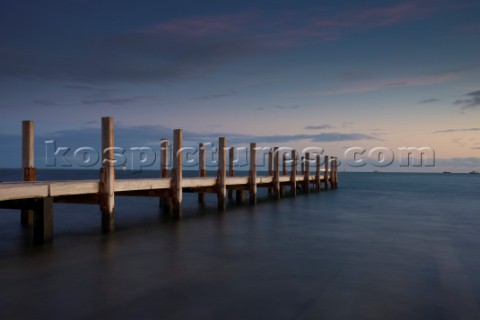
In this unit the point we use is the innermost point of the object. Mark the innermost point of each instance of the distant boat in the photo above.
(446, 172)
(474, 172)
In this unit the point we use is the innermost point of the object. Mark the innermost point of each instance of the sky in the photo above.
(326, 74)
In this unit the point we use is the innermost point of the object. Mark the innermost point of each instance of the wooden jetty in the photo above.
(35, 199)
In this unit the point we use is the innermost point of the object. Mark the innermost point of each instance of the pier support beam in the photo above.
(107, 176)
(177, 174)
(293, 174)
(306, 173)
(253, 173)
(326, 175)
(43, 221)
(221, 174)
(28, 166)
(276, 173)
(165, 201)
(202, 168)
(318, 180)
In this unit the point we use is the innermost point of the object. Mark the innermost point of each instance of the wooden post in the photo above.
(43, 221)
(165, 202)
(221, 174)
(270, 168)
(253, 173)
(326, 174)
(293, 174)
(177, 173)
(28, 166)
(306, 173)
(164, 158)
(231, 170)
(107, 176)
(276, 173)
(240, 196)
(302, 166)
(317, 174)
(284, 172)
(202, 167)
(334, 174)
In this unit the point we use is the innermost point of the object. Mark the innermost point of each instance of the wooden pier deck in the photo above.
(35, 198)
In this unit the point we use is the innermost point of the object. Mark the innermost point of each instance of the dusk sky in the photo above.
(332, 74)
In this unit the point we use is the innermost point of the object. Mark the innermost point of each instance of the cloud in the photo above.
(192, 46)
(428, 101)
(98, 101)
(457, 130)
(371, 86)
(470, 103)
(319, 127)
(216, 96)
(475, 148)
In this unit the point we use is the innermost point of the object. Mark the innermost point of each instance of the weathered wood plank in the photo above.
(293, 174)
(231, 170)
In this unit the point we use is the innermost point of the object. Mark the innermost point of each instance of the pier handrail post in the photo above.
(306, 173)
(326, 173)
(202, 168)
(28, 166)
(276, 173)
(221, 173)
(253, 173)
(177, 173)
(107, 176)
(293, 173)
(317, 174)
(231, 170)
(165, 201)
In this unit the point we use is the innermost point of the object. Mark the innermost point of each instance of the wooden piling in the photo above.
(28, 166)
(202, 167)
(326, 173)
(164, 158)
(177, 173)
(293, 174)
(318, 180)
(253, 173)
(334, 174)
(231, 170)
(306, 173)
(107, 176)
(221, 174)
(276, 173)
(165, 201)
(43, 220)
(270, 168)
(284, 172)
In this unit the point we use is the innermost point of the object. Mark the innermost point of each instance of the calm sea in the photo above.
(383, 246)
